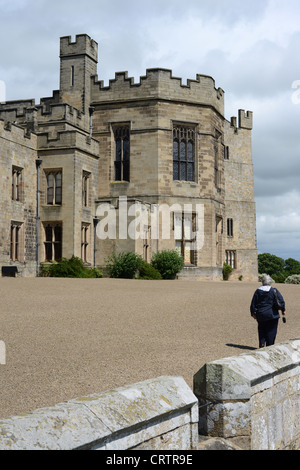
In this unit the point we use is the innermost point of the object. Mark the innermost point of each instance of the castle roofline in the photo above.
(159, 83)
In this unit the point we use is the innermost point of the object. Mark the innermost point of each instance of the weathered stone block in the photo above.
(254, 396)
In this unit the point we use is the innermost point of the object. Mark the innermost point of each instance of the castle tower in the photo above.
(240, 227)
(78, 62)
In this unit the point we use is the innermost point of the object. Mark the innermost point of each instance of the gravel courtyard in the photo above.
(67, 338)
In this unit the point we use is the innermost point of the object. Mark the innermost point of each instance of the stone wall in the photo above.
(18, 150)
(157, 414)
(253, 399)
(250, 402)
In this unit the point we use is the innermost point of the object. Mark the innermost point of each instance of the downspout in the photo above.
(38, 164)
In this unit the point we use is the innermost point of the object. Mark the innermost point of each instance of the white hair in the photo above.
(266, 280)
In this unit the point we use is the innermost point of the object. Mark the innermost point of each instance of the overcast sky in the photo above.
(251, 49)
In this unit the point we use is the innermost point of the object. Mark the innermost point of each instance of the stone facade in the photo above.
(18, 151)
(153, 144)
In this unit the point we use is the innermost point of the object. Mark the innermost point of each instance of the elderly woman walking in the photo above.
(265, 310)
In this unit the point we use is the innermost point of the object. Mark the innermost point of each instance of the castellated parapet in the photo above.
(159, 83)
(83, 45)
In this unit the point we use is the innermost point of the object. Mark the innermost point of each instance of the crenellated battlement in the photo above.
(69, 140)
(83, 45)
(245, 120)
(159, 83)
(17, 133)
(34, 116)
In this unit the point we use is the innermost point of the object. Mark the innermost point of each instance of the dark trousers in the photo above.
(267, 332)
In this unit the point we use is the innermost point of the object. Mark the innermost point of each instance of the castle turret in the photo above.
(78, 62)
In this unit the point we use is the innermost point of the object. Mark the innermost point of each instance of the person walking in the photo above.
(264, 309)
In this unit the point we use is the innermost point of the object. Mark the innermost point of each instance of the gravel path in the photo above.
(67, 338)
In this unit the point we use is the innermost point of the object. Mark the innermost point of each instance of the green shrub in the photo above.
(46, 268)
(72, 267)
(168, 263)
(93, 273)
(294, 279)
(147, 271)
(227, 270)
(123, 265)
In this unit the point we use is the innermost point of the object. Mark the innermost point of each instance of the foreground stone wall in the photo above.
(250, 401)
(156, 414)
(253, 399)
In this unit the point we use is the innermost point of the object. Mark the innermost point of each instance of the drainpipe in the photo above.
(38, 163)
(95, 221)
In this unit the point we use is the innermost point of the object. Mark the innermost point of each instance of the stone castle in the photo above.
(91, 150)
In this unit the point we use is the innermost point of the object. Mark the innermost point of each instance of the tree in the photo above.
(272, 265)
(292, 266)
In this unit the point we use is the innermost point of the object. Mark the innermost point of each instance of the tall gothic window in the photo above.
(183, 153)
(122, 153)
(218, 142)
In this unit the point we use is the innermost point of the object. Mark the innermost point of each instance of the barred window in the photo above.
(122, 153)
(183, 153)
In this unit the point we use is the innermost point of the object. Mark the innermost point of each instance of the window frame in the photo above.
(184, 240)
(85, 241)
(52, 243)
(16, 185)
(230, 228)
(231, 258)
(54, 189)
(86, 175)
(184, 157)
(121, 134)
(16, 241)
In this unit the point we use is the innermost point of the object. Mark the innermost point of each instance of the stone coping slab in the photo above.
(92, 421)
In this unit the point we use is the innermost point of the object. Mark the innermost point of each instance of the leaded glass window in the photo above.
(183, 153)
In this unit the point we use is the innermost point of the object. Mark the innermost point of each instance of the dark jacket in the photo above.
(263, 305)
